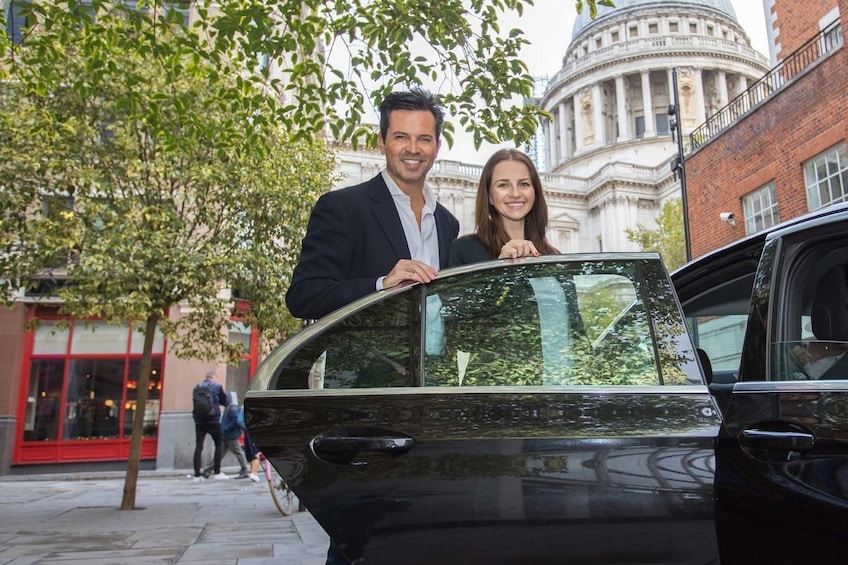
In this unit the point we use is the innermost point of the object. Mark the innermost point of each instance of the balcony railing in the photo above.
(803, 58)
(575, 63)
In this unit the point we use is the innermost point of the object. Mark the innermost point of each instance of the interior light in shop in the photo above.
(43, 394)
(108, 403)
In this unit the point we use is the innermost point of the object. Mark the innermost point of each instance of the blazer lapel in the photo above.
(387, 217)
(445, 236)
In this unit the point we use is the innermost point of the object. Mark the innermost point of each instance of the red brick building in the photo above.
(779, 149)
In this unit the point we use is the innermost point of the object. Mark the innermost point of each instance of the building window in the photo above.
(83, 384)
(710, 30)
(17, 22)
(673, 27)
(826, 177)
(661, 119)
(693, 28)
(653, 28)
(640, 127)
(599, 43)
(614, 36)
(179, 11)
(634, 31)
(760, 207)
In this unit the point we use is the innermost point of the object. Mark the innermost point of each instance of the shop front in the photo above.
(79, 386)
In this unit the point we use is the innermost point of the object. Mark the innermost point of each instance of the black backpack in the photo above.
(204, 402)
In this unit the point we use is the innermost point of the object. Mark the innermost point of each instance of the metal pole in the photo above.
(681, 167)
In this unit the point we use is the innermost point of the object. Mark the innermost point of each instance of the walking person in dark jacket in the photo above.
(232, 425)
(207, 399)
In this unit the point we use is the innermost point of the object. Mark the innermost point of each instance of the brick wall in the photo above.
(796, 21)
(808, 116)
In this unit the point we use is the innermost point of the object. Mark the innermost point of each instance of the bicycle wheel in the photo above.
(284, 499)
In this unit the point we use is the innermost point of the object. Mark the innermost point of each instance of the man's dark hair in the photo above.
(415, 99)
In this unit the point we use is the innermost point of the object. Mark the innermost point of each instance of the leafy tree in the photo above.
(147, 177)
(150, 163)
(668, 238)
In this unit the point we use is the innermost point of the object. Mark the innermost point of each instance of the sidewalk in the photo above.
(72, 520)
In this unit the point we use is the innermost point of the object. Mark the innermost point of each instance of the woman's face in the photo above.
(511, 192)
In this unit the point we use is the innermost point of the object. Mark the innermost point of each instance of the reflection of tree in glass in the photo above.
(374, 347)
(493, 318)
(674, 350)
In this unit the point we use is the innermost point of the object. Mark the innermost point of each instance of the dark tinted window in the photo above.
(542, 324)
(569, 323)
(375, 347)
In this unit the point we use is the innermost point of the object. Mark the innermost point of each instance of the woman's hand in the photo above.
(515, 248)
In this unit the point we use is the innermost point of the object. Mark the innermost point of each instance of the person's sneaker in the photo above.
(253, 477)
(199, 479)
(243, 475)
(221, 476)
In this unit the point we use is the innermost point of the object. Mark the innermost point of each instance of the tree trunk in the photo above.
(131, 480)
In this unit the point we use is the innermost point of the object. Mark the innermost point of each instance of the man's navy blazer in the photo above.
(354, 237)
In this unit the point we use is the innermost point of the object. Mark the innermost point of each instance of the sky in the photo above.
(547, 25)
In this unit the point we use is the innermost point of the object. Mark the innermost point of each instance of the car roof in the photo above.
(753, 244)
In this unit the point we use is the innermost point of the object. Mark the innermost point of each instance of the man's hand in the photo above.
(515, 248)
(409, 270)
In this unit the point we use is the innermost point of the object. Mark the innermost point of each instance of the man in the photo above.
(380, 233)
(232, 426)
(207, 399)
(385, 231)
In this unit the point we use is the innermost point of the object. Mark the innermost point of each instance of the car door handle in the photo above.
(359, 447)
(783, 440)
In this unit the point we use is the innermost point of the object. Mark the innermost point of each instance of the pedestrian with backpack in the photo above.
(232, 426)
(207, 399)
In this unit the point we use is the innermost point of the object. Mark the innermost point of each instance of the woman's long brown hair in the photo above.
(490, 228)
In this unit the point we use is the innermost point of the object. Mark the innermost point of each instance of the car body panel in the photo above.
(515, 468)
(425, 426)
(782, 451)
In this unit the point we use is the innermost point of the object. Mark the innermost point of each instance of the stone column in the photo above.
(578, 123)
(647, 105)
(553, 159)
(621, 104)
(563, 132)
(723, 98)
(700, 104)
(598, 116)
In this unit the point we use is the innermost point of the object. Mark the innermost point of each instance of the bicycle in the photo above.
(284, 499)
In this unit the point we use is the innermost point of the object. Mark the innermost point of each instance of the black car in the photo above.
(559, 410)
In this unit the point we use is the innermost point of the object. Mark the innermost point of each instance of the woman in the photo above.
(510, 213)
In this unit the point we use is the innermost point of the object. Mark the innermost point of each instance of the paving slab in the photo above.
(72, 520)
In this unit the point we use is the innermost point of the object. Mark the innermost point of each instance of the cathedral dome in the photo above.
(584, 22)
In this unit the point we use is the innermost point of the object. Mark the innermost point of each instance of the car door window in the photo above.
(580, 323)
(811, 338)
(374, 347)
(717, 319)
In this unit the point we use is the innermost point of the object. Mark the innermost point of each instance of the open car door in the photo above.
(548, 411)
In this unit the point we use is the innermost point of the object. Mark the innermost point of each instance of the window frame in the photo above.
(760, 209)
(831, 181)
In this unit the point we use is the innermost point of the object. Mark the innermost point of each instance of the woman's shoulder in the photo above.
(468, 249)
(469, 241)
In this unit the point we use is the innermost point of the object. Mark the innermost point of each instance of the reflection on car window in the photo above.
(533, 324)
(816, 321)
(580, 323)
(373, 348)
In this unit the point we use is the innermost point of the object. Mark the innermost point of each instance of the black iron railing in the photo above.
(812, 51)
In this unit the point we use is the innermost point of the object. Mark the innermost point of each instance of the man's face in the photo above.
(410, 147)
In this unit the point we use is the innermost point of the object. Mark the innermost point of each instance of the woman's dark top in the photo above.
(468, 249)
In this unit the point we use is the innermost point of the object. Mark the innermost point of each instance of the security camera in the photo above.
(728, 218)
